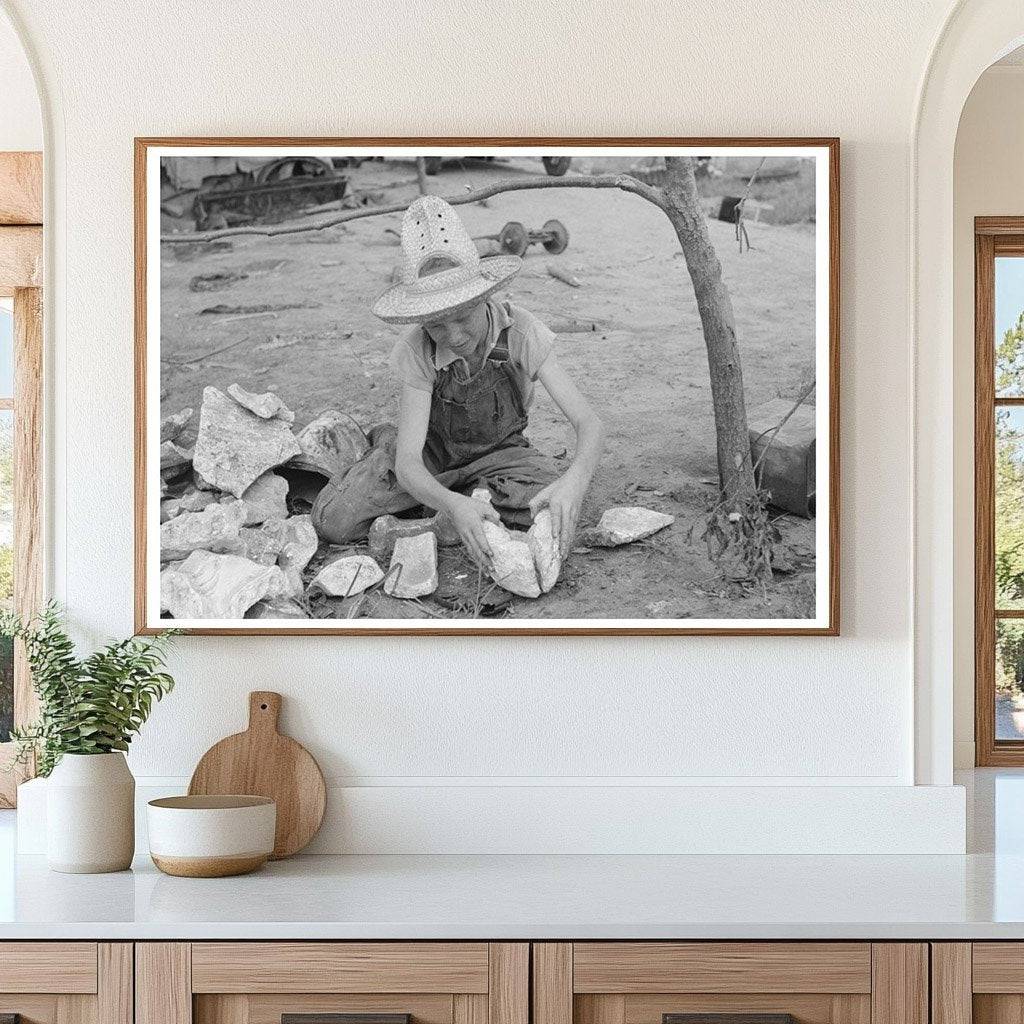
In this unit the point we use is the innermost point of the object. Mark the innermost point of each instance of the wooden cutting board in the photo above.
(262, 762)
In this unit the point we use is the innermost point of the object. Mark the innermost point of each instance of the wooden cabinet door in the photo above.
(734, 982)
(370, 982)
(66, 982)
(979, 982)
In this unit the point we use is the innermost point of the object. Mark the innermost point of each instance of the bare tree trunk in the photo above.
(682, 206)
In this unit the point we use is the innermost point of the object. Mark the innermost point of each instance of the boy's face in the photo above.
(460, 332)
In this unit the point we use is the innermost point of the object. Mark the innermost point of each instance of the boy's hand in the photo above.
(469, 515)
(563, 497)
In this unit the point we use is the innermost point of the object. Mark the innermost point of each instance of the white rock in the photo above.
(413, 570)
(214, 529)
(512, 561)
(173, 457)
(235, 446)
(172, 426)
(267, 406)
(278, 608)
(623, 525)
(263, 544)
(481, 494)
(192, 500)
(547, 558)
(300, 543)
(346, 576)
(213, 586)
(265, 499)
(330, 444)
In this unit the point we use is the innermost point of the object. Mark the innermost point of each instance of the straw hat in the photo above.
(442, 270)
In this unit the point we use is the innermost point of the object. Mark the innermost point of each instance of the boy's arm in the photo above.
(565, 495)
(467, 515)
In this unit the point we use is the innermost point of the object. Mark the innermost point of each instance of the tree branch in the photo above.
(625, 182)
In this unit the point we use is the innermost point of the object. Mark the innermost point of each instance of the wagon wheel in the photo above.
(556, 166)
(559, 236)
(431, 165)
(513, 238)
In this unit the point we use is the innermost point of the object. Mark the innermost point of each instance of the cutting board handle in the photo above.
(264, 710)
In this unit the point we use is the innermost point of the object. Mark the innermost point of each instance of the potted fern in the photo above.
(89, 710)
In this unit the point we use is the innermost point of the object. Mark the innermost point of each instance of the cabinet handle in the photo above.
(728, 1018)
(337, 1018)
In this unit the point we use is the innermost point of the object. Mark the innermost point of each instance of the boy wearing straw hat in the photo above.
(467, 369)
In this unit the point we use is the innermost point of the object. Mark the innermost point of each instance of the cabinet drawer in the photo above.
(261, 982)
(731, 982)
(48, 967)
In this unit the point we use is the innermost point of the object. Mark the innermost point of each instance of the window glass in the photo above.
(1009, 679)
(1009, 327)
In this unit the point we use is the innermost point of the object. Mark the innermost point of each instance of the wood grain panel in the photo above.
(237, 1008)
(806, 1008)
(48, 967)
(998, 1009)
(998, 967)
(21, 258)
(951, 982)
(469, 1008)
(899, 990)
(163, 983)
(115, 983)
(76, 1009)
(599, 1009)
(508, 989)
(851, 1009)
(552, 983)
(21, 188)
(339, 967)
(633, 967)
(34, 1009)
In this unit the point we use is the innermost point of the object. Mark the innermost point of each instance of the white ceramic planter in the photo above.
(90, 814)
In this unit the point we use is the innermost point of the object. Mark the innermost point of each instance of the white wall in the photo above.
(988, 181)
(442, 714)
(21, 125)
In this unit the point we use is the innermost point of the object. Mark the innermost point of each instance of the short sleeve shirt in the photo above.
(415, 359)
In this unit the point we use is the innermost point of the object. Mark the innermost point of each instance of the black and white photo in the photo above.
(476, 388)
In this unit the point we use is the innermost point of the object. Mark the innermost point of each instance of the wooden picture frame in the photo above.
(827, 593)
(21, 270)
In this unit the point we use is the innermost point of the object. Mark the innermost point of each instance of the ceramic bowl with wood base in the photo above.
(211, 836)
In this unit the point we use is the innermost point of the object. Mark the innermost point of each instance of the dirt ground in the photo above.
(645, 371)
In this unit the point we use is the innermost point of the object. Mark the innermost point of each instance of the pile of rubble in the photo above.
(231, 548)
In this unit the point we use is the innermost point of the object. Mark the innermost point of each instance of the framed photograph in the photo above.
(487, 386)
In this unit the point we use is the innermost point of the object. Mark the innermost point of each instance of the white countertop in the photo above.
(532, 897)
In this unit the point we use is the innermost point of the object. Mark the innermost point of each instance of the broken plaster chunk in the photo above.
(624, 525)
(267, 405)
(299, 545)
(263, 543)
(214, 529)
(330, 444)
(171, 426)
(413, 570)
(347, 576)
(235, 446)
(265, 499)
(511, 560)
(547, 558)
(173, 458)
(218, 586)
(386, 530)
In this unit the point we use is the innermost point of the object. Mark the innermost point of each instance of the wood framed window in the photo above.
(21, 368)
